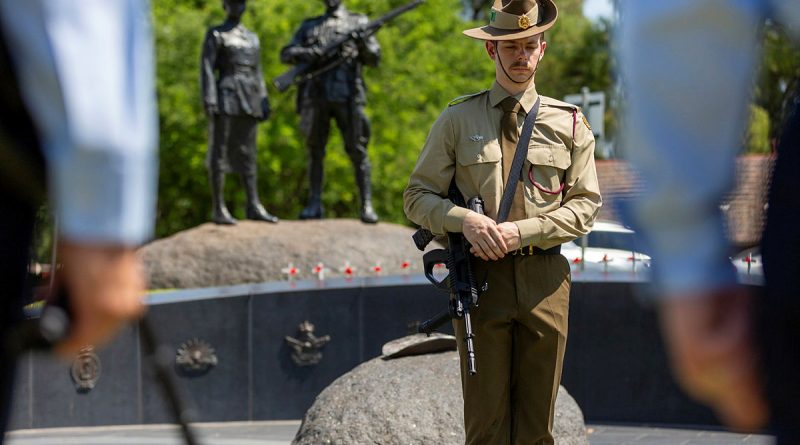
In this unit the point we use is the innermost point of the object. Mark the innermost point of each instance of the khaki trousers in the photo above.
(520, 329)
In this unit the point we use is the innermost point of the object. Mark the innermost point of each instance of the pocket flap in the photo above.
(556, 157)
(476, 153)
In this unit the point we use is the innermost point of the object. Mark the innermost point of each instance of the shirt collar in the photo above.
(526, 98)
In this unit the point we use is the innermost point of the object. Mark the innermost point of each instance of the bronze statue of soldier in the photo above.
(337, 93)
(235, 101)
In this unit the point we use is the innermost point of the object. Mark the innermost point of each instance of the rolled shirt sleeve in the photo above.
(87, 76)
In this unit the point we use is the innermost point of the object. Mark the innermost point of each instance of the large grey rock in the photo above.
(408, 401)
(419, 344)
(254, 252)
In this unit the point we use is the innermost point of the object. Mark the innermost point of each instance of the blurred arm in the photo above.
(688, 67)
(88, 79)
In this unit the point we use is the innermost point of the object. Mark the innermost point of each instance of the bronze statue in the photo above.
(337, 93)
(235, 100)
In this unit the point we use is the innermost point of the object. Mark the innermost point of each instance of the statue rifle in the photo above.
(303, 72)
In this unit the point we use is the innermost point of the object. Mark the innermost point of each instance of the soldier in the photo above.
(338, 93)
(521, 323)
(234, 101)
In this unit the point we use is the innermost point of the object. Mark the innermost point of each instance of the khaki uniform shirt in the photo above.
(465, 142)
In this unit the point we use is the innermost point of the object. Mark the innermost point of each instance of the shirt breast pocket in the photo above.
(544, 172)
(479, 166)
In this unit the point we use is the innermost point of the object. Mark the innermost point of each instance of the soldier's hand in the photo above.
(349, 50)
(105, 285)
(359, 37)
(510, 233)
(482, 232)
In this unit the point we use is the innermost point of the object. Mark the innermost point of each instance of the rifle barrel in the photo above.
(304, 72)
(428, 326)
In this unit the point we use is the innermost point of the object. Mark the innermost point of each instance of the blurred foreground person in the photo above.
(77, 113)
(689, 67)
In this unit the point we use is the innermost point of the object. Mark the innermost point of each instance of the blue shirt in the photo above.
(86, 73)
(688, 67)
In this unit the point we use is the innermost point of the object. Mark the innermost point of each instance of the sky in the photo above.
(595, 9)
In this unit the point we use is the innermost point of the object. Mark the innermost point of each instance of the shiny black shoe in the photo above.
(368, 214)
(257, 212)
(312, 211)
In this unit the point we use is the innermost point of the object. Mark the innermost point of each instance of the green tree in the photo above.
(757, 139)
(779, 77)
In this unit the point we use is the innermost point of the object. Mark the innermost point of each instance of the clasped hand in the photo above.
(490, 241)
(349, 50)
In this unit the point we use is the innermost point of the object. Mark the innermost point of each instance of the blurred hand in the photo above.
(711, 343)
(482, 232)
(105, 285)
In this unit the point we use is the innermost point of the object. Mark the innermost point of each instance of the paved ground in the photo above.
(628, 435)
(282, 432)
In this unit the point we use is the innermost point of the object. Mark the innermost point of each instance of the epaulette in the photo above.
(549, 101)
(462, 99)
(570, 108)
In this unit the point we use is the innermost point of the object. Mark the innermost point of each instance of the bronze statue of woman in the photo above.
(235, 101)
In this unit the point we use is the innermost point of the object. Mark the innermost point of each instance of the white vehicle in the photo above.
(609, 247)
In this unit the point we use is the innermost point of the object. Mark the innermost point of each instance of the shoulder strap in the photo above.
(516, 164)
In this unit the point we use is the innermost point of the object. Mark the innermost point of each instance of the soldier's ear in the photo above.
(491, 48)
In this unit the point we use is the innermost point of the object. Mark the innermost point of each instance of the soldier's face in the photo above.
(519, 57)
(330, 4)
(234, 8)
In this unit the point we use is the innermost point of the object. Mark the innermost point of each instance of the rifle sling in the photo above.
(516, 164)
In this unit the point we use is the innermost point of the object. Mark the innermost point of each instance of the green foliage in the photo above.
(758, 140)
(779, 77)
(426, 62)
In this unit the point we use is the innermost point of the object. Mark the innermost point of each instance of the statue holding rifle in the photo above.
(329, 52)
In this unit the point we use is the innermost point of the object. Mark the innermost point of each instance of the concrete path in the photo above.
(282, 432)
(636, 435)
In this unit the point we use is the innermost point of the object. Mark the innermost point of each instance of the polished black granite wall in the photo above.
(615, 365)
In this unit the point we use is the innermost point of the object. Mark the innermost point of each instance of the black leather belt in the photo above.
(533, 250)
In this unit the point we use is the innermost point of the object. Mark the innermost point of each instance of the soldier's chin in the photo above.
(520, 75)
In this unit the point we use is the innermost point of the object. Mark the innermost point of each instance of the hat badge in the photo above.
(524, 22)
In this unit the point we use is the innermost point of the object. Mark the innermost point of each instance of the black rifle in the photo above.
(460, 281)
(303, 72)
